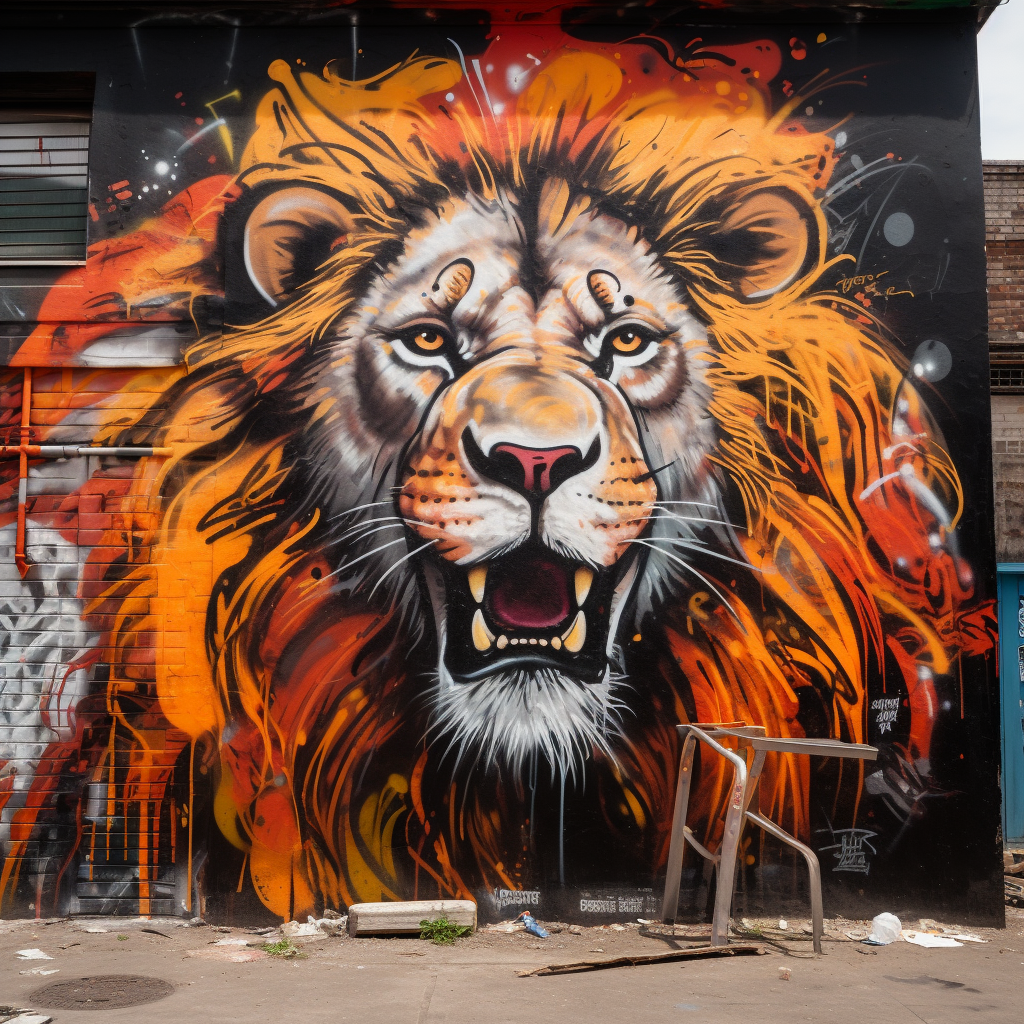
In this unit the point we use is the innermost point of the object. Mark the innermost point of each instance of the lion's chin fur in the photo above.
(512, 720)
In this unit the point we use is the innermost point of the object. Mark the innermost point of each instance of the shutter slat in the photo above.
(43, 190)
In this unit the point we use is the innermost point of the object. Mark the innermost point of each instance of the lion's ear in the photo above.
(764, 241)
(288, 236)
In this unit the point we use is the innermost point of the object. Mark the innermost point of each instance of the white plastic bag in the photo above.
(885, 928)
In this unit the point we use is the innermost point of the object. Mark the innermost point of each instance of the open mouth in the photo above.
(531, 608)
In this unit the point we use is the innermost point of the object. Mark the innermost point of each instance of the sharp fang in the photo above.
(556, 642)
(482, 636)
(584, 577)
(477, 580)
(502, 642)
(577, 635)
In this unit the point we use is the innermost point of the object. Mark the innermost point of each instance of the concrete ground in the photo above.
(413, 982)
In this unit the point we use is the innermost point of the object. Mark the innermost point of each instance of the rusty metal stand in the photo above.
(743, 788)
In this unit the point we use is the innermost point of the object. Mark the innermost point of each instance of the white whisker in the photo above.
(695, 519)
(699, 575)
(406, 557)
(704, 504)
(704, 550)
(356, 561)
(358, 508)
(363, 525)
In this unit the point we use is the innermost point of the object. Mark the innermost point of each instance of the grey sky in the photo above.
(1000, 68)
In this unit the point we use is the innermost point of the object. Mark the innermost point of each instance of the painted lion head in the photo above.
(529, 438)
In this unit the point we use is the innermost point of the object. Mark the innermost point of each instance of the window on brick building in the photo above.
(1006, 368)
(44, 167)
(1004, 249)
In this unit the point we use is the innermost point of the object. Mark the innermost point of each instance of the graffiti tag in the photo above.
(598, 906)
(868, 286)
(887, 708)
(619, 905)
(852, 849)
(516, 897)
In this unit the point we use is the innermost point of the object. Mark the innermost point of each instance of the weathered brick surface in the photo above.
(1004, 245)
(1004, 242)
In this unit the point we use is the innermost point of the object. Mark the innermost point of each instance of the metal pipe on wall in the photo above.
(52, 451)
(20, 560)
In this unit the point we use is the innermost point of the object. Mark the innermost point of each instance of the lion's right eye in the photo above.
(429, 344)
(425, 339)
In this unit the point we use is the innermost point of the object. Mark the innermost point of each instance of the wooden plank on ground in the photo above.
(404, 917)
(693, 953)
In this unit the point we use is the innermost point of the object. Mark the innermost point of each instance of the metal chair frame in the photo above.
(744, 786)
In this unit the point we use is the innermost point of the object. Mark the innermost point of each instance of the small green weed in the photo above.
(443, 932)
(284, 948)
(122, 938)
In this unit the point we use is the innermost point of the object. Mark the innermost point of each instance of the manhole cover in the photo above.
(103, 992)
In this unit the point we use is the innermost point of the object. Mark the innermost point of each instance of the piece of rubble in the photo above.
(333, 925)
(232, 954)
(299, 929)
(404, 917)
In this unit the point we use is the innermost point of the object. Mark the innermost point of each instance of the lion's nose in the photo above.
(535, 471)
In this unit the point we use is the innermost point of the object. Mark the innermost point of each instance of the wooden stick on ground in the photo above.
(693, 953)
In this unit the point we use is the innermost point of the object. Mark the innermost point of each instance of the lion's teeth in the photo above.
(477, 580)
(556, 642)
(584, 577)
(543, 642)
(577, 635)
(502, 642)
(482, 636)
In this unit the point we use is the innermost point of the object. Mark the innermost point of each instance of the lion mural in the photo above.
(531, 433)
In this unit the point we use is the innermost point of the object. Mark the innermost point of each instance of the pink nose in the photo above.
(536, 464)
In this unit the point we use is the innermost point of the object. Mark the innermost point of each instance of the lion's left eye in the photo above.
(425, 339)
(629, 340)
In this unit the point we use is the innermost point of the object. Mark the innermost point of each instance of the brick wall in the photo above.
(1004, 244)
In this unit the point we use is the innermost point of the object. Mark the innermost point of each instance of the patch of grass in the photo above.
(443, 932)
(122, 938)
(284, 948)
